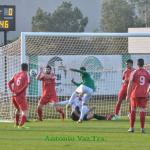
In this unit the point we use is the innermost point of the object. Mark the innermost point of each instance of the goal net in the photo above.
(103, 54)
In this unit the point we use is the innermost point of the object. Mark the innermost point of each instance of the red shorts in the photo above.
(139, 102)
(20, 103)
(45, 100)
(122, 93)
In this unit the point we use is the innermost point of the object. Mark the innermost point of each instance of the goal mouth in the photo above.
(104, 56)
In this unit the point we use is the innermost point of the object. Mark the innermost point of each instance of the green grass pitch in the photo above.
(68, 135)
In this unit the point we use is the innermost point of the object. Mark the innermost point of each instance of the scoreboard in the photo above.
(7, 18)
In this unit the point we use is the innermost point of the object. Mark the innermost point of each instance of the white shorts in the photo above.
(76, 103)
(82, 89)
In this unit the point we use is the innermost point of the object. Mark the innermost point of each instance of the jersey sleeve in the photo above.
(76, 83)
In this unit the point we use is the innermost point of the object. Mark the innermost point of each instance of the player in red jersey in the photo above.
(137, 92)
(18, 85)
(123, 90)
(48, 91)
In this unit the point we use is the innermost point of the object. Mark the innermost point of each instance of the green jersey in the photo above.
(86, 79)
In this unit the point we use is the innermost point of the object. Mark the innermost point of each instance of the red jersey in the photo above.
(20, 83)
(126, 76)
(141, 80)
(48, 85)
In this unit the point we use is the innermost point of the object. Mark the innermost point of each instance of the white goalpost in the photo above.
(103, 54)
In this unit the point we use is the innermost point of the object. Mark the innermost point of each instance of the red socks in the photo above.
(142, 119)
(17, 116)
(23, 120)
(132, 118)
(129, 108)
(61, 112)
(40, 113)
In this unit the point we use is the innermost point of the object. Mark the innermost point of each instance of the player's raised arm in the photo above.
(76, 83)
(82, 70)
(40, 75)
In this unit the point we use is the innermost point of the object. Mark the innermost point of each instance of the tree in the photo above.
(142, 10)
(63, 19)
(117, 16)
(40, 22)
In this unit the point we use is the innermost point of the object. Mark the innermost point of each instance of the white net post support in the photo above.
(23, 48)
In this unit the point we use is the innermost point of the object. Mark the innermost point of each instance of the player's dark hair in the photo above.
(83, 68)
(74, 117)
(49, 67)
(140, 62)
(24, 66)
(129, 61)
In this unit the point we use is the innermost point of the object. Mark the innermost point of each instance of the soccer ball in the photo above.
(33, 72)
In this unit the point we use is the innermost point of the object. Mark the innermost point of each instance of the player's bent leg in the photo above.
(99, 117)
(121, 97)
(118, 105)
(61, 103)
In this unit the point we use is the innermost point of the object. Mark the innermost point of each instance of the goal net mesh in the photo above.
(103, 56)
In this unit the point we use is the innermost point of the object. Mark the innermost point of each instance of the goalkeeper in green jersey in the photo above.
(85, 88)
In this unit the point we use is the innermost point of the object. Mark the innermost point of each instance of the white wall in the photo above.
(139, 44)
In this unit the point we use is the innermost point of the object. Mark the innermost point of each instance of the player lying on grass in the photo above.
(48, 91)
(18, 85)
(123, 90)
(85, 88)
(76, 107)
(137, 92)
